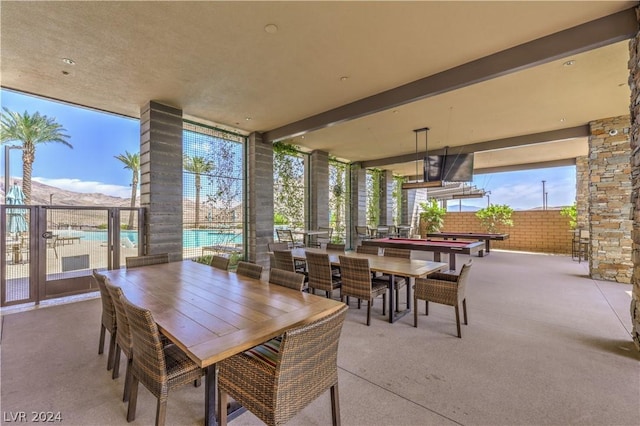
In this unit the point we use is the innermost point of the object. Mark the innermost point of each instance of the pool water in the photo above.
(191, 238)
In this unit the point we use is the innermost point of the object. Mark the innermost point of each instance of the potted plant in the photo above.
(572, 213)
(432, 216)
(494, 216)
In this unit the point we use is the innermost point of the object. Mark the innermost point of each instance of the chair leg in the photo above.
(222, 408)
(368, 311)
(458, 320)
(133, 399)
(415, 312)
(112, 350)
(397, 300)
(101, 341)
(384, 304)
(426, 307)
(161, 412)
(359, 303)
(464, 311)
(127, 381)
(335, 406)
(116, 363)
(197, 383)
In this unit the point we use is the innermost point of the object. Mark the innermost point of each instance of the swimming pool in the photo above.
(191, 238)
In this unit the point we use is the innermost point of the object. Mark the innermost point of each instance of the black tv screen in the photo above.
(433, 167)
(458, 168)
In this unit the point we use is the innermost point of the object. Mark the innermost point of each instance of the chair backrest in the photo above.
(368, 250)
(219, 262)
(152, 259)
(356, 277)
(336, 247)
(277, 246)
(328, 230)
(148, 356)
(283, 260)
(396, 252)
(314, 345)
(319, 268)
(584, 234)
(463, 277)
(286, 279)
(123, 336)
(284, 235)
(250, 270)
(108, 310)
(362, 231)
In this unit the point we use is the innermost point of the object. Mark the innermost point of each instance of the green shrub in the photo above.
(432, 215)
(494, 216)
(572, 213)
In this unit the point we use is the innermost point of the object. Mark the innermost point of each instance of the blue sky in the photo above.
(98, 137)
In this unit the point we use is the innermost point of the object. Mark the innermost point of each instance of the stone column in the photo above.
(357, 202)
(582, 191)
(610, 200)
(161, 178)
(319, 190)
(634, 83)
(259, 199)
(386, 197)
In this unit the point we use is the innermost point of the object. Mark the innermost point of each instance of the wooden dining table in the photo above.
(213, 314)
(392, 266)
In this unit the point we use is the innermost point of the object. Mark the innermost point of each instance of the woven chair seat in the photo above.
(180, 368)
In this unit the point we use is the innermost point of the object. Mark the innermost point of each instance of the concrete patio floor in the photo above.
(545, 345)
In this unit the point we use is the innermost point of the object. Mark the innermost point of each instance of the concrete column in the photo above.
(610, 200)
(161, 178)
(357, 202)
(408, 201)
(386, 197)
(259, 199)
(319, 189)
(634, 134)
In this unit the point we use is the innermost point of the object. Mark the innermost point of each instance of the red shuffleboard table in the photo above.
(480, 236)
(437, 247)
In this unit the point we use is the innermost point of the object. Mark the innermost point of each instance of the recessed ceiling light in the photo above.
(68, 61)
(247, 118)
(562, 120)
(344, 78)
(271, 28)
(569, 63)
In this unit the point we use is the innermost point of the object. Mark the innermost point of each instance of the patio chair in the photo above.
(368, 250)
(124, 340)
(363, 232)
(283, 259)
(324, 238)
(288, 279)
(335, 247)
(220, 262)
(286, 236)
(108, 320)
(446, 289)
(399, 282)
(250, 270)
(277, 380)
(152, 259)
(356, 282)
(161, 369)
(320, 274)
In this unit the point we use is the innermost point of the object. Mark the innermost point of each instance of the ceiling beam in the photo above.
(591, 35)
(553, 135)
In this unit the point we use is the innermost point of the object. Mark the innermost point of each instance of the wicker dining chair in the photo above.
(357, 282)
(161, 369)
(320, 274)
(124, 341)
(283, 259)
(446, 289)
(108, 321)
(286, 236)
(399, 282)
(368, 250)
(323, 238)
(335, 247)
(363, 232)
(294, 280)
(152, 259)
(277, 381)
(219, 262)
(250, 270)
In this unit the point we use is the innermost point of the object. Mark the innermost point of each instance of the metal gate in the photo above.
(50, 251)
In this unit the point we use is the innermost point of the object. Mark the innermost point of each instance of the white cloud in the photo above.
(87, 187)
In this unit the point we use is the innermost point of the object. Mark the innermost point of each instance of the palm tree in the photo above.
(197, 166)
(30, 130)
(131, 162)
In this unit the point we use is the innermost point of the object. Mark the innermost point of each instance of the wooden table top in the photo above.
(213, 314)
(388, 265)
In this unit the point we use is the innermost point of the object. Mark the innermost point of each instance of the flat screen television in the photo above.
(449, 168)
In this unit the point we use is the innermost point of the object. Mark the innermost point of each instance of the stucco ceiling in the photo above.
(221, 62)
